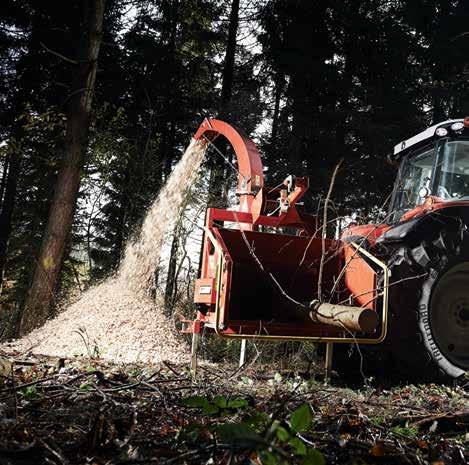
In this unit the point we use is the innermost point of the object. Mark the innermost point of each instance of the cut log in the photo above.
(354, 319)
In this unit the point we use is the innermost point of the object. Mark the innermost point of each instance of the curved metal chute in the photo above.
(251, 176)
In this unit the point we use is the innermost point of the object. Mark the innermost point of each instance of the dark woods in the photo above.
(100, 98)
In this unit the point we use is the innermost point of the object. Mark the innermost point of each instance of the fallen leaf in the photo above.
(6, 366)
(378, 450)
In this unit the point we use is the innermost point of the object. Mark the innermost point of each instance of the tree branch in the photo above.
(57, 54)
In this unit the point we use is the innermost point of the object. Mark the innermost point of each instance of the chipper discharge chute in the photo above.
(269, 272)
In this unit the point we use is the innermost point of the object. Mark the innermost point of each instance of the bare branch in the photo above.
(324, 226)
(57, 54)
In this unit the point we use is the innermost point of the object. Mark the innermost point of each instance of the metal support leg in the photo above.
(328, 367)
(242, 354)
(194, 347)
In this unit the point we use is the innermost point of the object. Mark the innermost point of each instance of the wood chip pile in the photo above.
(111, 322)
(117, 320)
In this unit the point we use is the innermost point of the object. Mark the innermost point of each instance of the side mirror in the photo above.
(424, 192)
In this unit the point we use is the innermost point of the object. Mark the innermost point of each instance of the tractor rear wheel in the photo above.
(429, 306)
(444, 318)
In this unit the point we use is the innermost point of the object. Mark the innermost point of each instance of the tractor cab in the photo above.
(434, 170)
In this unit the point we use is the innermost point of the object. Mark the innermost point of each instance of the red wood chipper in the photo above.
(269, 272)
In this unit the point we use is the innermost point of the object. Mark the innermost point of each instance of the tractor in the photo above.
(268, 270)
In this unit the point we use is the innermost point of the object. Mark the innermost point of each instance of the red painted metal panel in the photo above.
(261, 270)
(205, 292)
(370, 232)
(360, 278)
(251, 178)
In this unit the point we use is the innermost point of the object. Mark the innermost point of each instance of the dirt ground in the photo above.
(60, 411)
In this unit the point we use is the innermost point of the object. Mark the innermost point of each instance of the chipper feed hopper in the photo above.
(269, 272)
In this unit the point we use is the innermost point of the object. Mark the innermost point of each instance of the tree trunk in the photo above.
(8, 205)
(308, 37)
(172, 267)
(229, 63)
(41, 294)
(4, 180)
(438, 94)
(276, 114)
(171, 93)
(303, 111)
(219, 175)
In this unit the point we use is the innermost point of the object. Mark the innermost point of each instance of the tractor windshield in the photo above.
(441, 170)
(452, 171)
(415, 173)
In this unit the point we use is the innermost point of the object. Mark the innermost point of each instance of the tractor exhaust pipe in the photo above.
(353, 319)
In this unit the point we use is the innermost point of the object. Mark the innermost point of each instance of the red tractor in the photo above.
(269, 272)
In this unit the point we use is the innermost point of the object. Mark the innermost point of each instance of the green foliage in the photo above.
(36, 142)
(282, 434)
(301, 419)
(313, 457)
(86, 386)
(298, 446)
(275, 442)
(378, 420)
(30, 393)
(239, 436)
(405, 431)
(219, 404)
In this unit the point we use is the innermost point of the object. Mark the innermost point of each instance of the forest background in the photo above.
(99, 100)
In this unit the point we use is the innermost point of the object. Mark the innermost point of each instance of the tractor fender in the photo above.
(413, 231)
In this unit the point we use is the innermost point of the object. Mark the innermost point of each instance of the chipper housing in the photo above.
(268, 271)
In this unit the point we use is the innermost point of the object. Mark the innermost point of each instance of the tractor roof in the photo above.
(403, 147)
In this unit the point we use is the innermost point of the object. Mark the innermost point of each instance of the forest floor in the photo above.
(78, 411)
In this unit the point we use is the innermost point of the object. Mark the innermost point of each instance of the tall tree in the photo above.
(87, 33)
(219, 173)
(28, 92)
(15, 97)
(169, 73)
(229, 62)
(10, 183)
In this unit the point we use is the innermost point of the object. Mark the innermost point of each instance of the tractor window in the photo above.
(416, 172)
(452, 173)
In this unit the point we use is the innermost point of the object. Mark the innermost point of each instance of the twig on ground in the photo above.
(32, 383)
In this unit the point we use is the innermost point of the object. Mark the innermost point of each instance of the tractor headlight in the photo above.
(441, 132)
(457, 126)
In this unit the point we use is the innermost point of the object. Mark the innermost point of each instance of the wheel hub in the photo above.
(461, 313)
(449, 315)
(464, 314)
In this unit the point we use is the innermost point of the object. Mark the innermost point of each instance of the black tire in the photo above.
(427, 306)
